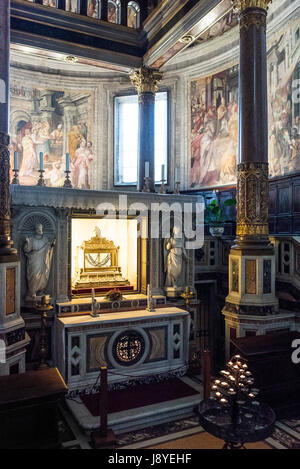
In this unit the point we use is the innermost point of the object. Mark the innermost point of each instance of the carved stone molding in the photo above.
(241, 5)
(5, 242)
(250, 310)
(254, 18)
(253, 199)
(146, 79)
(4, 176)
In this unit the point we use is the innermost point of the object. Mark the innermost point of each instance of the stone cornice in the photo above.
(204, 13)
(223, 51)
(162, 14)
(86, 199)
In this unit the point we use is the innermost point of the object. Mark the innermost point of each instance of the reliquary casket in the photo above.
(100, 264)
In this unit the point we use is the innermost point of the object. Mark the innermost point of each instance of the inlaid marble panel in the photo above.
(10, 291)
(250, 277)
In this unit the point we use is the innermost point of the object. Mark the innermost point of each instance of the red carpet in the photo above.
(139, 396)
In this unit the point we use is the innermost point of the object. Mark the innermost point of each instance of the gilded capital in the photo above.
(146, 79)
(241, 5)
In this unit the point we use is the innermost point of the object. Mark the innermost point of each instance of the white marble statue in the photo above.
(39, 252)
(175, 257)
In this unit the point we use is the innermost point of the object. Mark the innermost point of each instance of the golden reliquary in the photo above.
(99, 257)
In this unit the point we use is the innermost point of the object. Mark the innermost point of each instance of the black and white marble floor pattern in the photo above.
(286, 434)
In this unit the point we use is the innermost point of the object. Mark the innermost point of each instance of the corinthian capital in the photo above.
(241, 5)
(146, 79)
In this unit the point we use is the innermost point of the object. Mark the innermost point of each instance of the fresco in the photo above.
(214, 129)
(284, 103)
(53, 123)
(214, 117)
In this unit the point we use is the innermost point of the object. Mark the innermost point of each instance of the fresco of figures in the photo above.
(214, 129)
(214, 117)
(53, 123)
(284, 103)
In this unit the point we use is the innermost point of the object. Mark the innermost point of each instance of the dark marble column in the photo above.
(252, 268)
(7, 253)
(252, 187)
(145, 80)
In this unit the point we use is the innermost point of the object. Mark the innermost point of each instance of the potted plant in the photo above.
(215, 216)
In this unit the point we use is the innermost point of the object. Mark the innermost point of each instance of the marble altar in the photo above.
(132, 344)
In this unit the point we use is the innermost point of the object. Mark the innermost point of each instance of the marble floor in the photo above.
(183, 433)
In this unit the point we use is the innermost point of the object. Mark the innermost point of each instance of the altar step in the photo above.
(140, 417)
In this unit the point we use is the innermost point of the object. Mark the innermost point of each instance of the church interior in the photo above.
(150, 224)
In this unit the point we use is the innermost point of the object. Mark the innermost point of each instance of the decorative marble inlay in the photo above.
(235, 275)
(158, 340)
(10, 290)
(128, 348)
(267, 276)
(76, 356)
(250, 277)
(96, 352)
(177, 340)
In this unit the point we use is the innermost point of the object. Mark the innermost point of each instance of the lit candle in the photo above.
(15, 161)
(147, 167)
(67, 162)
(41, 161)
(224, 384)
(176, 174)
(162, 172)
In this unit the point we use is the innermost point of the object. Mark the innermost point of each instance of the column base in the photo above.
(14, 338)
(251, 300)
(238, 324)
(15, 357)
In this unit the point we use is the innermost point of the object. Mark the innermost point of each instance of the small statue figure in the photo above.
(39, 252)
(175, 256)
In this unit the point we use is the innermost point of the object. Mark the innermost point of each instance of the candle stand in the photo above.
(234, 414)
(15, 179)
(177, 188)
(41, 182)
(43, 309)
(162, 189)
(147, 185)
(187, 295)
(68, 182)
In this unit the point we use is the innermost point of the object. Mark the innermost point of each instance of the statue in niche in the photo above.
(39, 252)
(175, 258)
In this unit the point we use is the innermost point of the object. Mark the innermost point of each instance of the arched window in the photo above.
(114, 11)
(133, 15)
(72, 6)
(94, 8)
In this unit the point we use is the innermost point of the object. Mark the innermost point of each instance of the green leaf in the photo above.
(229, 202)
